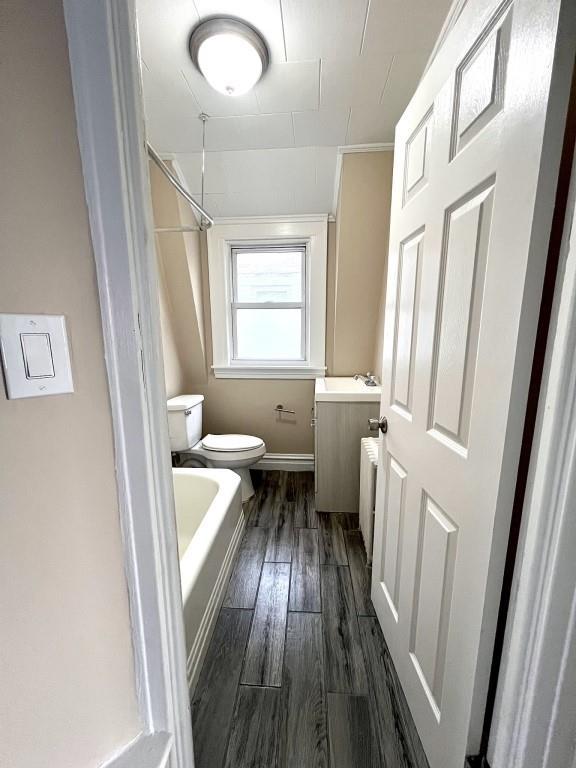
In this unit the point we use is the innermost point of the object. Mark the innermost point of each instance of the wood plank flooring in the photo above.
(392, 722)
(280, 534)
(332, 545)
(305, 578)
(245, 578)
(256, 736)
(360, 573)
(265, 651)
(350, 735)
(305, 691)
(297, 673)
(213, 703)
(345, 671)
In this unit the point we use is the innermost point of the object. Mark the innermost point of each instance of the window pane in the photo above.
(268, 334)
(268, 276)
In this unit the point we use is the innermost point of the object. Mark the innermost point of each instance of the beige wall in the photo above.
(172, 268)
(173, 370)
(66, 667)
(362, 224)
(379, 335)
(356, 263)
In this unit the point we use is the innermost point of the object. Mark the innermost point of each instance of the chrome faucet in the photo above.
(369, 379)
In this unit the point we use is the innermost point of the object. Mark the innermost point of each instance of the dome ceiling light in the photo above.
(229, 53)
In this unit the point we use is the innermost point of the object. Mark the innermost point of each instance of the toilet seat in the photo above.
(231, 443)
(229, 458)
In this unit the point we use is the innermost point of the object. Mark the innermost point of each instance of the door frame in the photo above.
(106, 82)
(532, 725)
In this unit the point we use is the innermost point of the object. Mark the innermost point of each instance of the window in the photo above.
(268, 297)
(269, 303)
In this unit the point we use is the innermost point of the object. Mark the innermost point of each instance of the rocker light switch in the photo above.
(35, 355)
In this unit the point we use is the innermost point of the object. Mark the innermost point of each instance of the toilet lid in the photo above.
(231, 442)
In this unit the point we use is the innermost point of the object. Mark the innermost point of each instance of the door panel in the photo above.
(393, 532)
(472, 205)
(406, 322)
(465, 244)
(417, 157)
(432, 598)
(481, 80)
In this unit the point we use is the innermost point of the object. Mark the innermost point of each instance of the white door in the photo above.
(473, 196)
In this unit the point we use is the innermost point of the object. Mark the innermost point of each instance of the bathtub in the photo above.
(210, 523)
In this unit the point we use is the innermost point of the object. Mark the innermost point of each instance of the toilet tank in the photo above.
(185, 421)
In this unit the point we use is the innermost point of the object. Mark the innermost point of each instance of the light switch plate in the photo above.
(35, 355)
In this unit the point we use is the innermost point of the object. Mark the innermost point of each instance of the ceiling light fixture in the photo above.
(230, 54)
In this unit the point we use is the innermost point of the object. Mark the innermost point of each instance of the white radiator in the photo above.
(368, 465)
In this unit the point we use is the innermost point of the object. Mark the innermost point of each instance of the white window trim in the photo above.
(312, 230)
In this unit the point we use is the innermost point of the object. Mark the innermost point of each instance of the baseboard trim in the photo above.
(289, 462)
(200, 645)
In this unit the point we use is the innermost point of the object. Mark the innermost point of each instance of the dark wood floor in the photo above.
(297, 674)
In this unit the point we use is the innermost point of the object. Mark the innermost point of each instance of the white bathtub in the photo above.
(210, 524)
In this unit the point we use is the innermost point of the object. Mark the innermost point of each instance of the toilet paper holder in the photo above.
(280, 409)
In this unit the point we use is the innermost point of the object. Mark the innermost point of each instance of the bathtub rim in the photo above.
(198, 550)
(229, 489)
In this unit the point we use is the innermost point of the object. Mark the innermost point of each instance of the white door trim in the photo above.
(533, 723)
(105, 69)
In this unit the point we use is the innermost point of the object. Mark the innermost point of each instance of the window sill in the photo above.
(269, 372)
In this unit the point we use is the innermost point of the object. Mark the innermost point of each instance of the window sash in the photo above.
(269, 360)
(301, 305)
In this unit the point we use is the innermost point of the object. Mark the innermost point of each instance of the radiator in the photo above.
(368, 465)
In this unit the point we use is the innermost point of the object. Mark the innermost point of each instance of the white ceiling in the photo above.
(341, 73)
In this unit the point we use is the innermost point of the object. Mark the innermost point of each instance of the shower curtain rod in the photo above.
(205, 219)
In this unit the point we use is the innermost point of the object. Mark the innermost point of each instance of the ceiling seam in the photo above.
(196, 9)
(283, 30)
(259, 114)
(364, 28)
(258, 104)
(387, 78)
(170, 155)
(348, 125)
(197, 103)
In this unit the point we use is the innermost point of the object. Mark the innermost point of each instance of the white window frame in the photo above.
(229, 234)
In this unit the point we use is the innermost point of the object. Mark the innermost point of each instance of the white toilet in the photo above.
(237, 452)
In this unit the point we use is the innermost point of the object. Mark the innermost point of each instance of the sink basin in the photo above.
(345, 389)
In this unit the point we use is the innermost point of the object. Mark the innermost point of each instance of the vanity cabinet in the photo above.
(339, 427)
